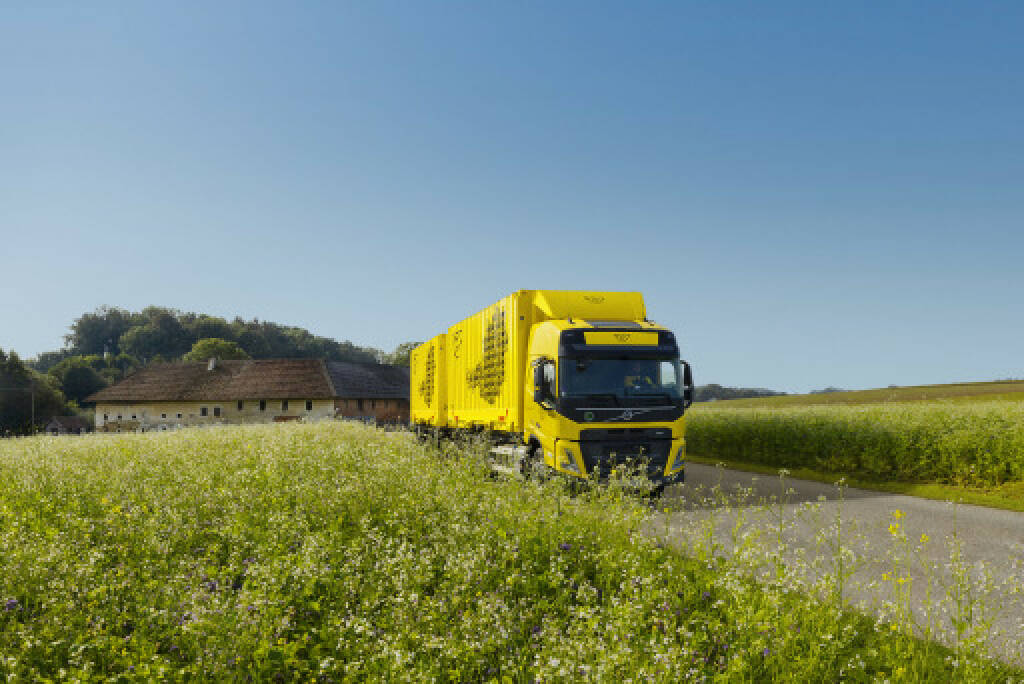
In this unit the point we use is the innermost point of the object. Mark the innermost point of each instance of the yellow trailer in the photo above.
(581, 379)
(428, 383)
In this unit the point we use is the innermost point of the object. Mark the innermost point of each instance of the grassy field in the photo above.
(978, 443)
(333, 552)
(1007, 390)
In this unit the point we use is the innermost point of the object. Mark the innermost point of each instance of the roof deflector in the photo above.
(621, 325)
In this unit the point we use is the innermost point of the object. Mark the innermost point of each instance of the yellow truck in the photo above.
(578, 381)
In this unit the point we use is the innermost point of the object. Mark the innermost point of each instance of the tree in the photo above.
(162, 334)
(400, 357)
(48, 360)
(202, 326)
(26, 392)
(78, 376)
(100, 331)
(215, 348)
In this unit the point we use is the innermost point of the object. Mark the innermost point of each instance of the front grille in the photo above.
(650, 456)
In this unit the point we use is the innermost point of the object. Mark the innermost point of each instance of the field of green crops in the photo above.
(967, 443)
(334, 552)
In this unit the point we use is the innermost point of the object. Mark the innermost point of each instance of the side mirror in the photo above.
(687, 386)
(538, 382)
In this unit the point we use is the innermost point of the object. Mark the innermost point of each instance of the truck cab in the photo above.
(606, 395)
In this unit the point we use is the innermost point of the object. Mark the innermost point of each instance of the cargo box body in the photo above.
(428, 383)
(479, 377)
(486, 365)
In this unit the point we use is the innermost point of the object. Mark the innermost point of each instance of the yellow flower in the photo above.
(897, 514)
(894, 529)
(885, 576)
(924, 538)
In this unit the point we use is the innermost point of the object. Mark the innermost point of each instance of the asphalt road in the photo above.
(970, 559)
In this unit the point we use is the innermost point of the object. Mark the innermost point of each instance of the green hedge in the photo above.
(975, 444)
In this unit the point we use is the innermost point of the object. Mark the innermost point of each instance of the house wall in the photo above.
(381, 410)
(159, 415)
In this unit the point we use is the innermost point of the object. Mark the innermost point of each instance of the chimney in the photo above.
(211, 364)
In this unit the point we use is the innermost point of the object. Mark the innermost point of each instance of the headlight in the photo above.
(677, 462)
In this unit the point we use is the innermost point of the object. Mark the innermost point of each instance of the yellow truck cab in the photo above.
(579, 381)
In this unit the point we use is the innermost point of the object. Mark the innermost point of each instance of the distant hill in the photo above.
(718, 393)
(965, 391)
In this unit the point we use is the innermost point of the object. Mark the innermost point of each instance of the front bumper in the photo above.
(648, 453)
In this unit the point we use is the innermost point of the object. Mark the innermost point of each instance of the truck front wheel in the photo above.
(531, 466)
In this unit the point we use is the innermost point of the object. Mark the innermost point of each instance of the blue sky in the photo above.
(809, 194)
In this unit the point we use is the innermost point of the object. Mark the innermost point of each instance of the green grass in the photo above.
(977, 444)
(333, 552)
(1005, 390)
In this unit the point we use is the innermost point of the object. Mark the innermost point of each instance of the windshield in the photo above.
(621, 378)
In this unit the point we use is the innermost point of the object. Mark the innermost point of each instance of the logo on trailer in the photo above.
(622, 337)
(593, 299)
(489, 375)
(427, 386)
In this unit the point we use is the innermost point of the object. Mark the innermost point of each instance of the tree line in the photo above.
(161, 334)
(717, 393)
(105, 345)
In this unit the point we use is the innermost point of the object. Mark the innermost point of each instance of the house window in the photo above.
(105, 417)
(263, 404)
(360, 404)
(119, 416)
(373, 403)
(133, 416)
(284, 404)
(179, 416)
(216, 411)
(163, 416)
(309, 405)
(203, 411)
(241, 405)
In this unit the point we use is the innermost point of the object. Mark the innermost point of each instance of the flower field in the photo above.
(333, 552)
(966, 443)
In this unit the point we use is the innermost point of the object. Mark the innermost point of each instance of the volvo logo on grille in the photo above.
(629, 414)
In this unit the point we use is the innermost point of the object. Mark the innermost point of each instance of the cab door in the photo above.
(541, 419)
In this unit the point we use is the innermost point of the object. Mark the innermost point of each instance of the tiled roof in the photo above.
(229, 380)
(70, 422)
(368, 380)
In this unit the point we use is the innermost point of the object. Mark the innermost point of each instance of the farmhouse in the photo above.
(172, 395)
(67, 425)
(370, 391)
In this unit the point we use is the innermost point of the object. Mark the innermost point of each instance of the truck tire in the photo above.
(531, 464)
